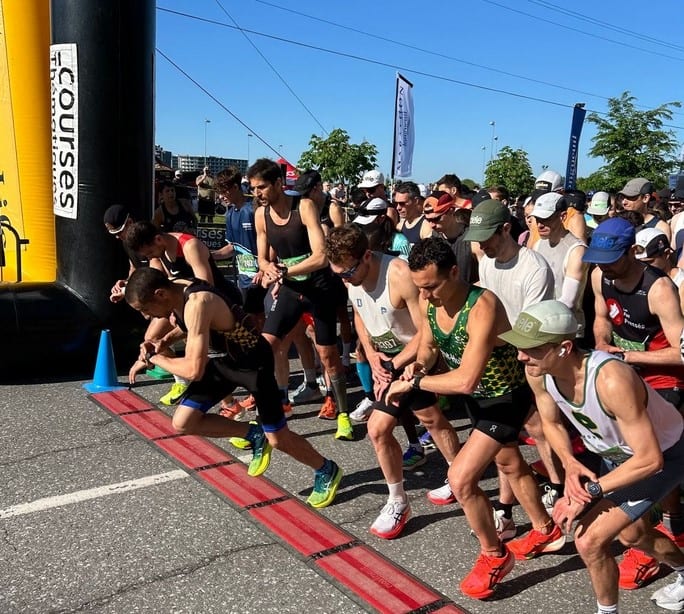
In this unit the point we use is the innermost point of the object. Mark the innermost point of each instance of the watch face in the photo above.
(594, 489)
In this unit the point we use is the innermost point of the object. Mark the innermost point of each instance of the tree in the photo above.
(632, 143)
(512, 169)
(336, 159)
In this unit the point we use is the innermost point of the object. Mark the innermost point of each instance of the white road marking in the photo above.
(47, 503)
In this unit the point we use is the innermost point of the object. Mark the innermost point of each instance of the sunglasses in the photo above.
(350, 272)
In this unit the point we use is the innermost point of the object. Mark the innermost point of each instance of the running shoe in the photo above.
(344, 428)
(174, 395)
(328, 409)
(234, 411)
(426, 441)
(636, 569)
(671, 597)
(392, 520)
(261, 454)
(287, 410)
(677, 539)
(441, 495)
(306, 394)
(549, 498)
(535, 542)
(240, 443)
(505, 527)
(486, 574)
(413, 458)
(363, 410)
(325, 486)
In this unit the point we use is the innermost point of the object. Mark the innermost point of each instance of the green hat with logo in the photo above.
(545, 322)
(485, 219)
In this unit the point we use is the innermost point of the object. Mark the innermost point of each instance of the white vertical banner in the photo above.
(64, 115)
(404, 137)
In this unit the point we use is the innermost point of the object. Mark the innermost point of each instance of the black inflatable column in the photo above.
(115, 134)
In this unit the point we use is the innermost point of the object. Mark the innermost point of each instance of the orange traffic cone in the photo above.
(104, 379)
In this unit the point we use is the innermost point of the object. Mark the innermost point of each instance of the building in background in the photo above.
(187, 163)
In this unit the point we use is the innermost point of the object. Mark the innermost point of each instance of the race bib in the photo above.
(387, 343)
(628, 346)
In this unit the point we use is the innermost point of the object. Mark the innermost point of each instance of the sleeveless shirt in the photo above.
(177, 222)
(601, 432)
(412, 233)
(389, 328)
(503, 371)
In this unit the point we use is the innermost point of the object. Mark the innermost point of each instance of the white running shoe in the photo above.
(549, 498)
(505, 527)
(392, 520)
(305, 394)
(671, 596)
(441, 495)
(363, 410)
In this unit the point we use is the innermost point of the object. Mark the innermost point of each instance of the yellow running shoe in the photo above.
(240, 442)
(261, 454)
(325, 486)
(173, 396)
(344, 428)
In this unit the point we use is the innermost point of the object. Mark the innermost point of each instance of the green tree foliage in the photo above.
(632, 143)
(337, 159)
(512, 169)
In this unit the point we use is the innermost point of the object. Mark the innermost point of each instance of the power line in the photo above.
(273, 68)
(390, 65)
(217, 101)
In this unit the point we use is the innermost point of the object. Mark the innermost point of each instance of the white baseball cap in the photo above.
(371, 179)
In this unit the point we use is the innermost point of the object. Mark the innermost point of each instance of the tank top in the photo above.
(503, 372)
(412, 233)
(235, 344)
(557, 257)
(179, 268)
(599, 431)
(177, 222)
(636, 328)
(389, 328)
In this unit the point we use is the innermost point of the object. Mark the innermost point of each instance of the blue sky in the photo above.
(582, 51)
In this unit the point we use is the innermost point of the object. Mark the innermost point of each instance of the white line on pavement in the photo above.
(47, 503)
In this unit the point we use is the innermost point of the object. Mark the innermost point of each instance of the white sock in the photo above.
(396, 492)
(607, 609)
(180, 380)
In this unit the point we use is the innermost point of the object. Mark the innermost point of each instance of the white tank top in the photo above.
(390, 329)
(600, 432)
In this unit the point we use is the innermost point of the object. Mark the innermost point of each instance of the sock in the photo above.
(506, 507)
(179, 380)
(310, 377)
(326, 468)
(396, 492)
(253, 432)
(284, 398)
(346, 349)
(674, 523)
(365, 376)
(338, 384)
(606, 609)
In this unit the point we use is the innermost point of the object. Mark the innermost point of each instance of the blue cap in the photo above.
(609, 241)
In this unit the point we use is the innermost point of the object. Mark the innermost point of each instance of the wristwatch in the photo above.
(594, 489)
(415, 384)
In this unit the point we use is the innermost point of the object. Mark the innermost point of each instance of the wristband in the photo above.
(388, 365)
(416, 381)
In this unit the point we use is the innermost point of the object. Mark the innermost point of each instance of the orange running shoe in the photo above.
(234, 411)
(636, 569)
(486, 574)
(535, 542)
(328, 409)
(287, 410)
(248, 403)
(677, 539)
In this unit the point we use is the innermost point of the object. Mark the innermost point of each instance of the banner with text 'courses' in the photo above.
(402, 155)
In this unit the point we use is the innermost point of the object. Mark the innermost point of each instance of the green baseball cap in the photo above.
(485, 219)
(545, 322)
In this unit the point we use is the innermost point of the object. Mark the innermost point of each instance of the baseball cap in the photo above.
(372, 178)
(480, 196)
(115, 218)
(370, 210)
(548, 204)
(600, 204)
(609, 242)
(637, 187)
(550, 181)
(485, 219)
(577, 199)
(545, 322)
(423, 190)
(306, 181)
(439, 203)
(650, 242)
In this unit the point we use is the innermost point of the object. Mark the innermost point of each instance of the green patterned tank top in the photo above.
(503, 371)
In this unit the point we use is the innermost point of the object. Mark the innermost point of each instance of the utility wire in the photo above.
(217, 101)
(273, 68)
(390, 65)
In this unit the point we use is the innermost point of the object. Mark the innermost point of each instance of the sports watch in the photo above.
(594, 489)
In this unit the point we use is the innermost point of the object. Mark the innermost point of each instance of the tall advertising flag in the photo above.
(573, 149)
(402, 155)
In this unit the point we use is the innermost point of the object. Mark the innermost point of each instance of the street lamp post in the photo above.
(249, 136)
(206, 121)
(491, 149)
(484, 158)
